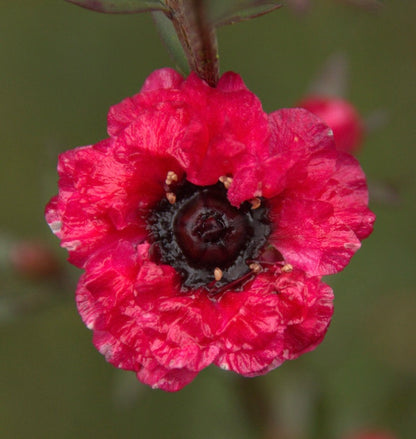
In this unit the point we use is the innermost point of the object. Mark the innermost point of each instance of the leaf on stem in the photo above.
(121, 6)
(170, 39)
(234, 11)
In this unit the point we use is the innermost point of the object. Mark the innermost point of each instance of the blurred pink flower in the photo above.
(34, 259)
(371, 434)
(341, 117)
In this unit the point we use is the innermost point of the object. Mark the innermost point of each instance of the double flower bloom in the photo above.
(204, 226)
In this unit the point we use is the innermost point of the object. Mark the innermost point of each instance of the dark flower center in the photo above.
(210, 231)
(201, 233)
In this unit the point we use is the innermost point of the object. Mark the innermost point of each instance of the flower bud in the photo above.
(341, 117)
(371, 435)
(34, 260)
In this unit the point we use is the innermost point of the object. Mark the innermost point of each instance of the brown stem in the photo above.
(255, 404)
(197, 36)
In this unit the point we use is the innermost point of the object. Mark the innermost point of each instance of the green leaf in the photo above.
(170, 39)
(121, 6)
(226, 12)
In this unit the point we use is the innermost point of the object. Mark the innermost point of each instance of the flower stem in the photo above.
(255, 404)
(197, 36)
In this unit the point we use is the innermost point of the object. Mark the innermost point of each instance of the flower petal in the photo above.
(261, 334)
(311, 237)
(162, 78)
(120, 116)
(105, 193)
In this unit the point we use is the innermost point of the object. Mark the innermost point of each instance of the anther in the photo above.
(255, 203)
(287, 268)
(255, 268)
(171, 177)
(218, 274)
(226, 181)
(171, 197)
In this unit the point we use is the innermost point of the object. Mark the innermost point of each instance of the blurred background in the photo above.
(61, 67)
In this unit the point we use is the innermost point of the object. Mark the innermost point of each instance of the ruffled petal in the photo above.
(347, 191)
(298, 133)
(105, 194)
(120, 116)
(318, 196)
(260, 335)
(230, 82)
(142, 322)
(162, 78)
(294, 135)
(310, 236)
(236, 123)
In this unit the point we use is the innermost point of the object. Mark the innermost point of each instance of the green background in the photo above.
(61, 67)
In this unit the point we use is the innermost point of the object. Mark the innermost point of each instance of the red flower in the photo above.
(341, 117)
(200, 224)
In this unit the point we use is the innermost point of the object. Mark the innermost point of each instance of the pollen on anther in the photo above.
(255, 203)
(226, 181)
(171, 197)
(171, 177)
(287, 268)
(255, 268)
(217, 274)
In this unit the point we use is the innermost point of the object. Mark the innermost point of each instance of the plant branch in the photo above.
(197, 37)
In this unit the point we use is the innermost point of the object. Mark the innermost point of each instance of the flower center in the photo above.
(210, 232)
(201, 233)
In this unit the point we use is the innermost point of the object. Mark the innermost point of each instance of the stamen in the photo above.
(255, 203)
(261, 263)
(255, 268)
(218, 274)
(171, 197)
(171, 177)
(226, 181)
(237, 283)
(287, 268)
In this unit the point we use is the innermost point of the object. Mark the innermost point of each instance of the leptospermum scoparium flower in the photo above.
(204, 226)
